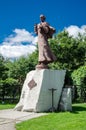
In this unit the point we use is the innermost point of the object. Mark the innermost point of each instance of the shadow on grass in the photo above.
(77, 109)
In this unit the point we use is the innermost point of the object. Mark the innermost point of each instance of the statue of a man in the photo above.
(44, 31)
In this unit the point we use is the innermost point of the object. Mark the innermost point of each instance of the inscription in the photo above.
(32, 84)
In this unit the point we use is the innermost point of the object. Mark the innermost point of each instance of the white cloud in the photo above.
(75, 30)
(13, 47)
(20, 35)
(16, 51)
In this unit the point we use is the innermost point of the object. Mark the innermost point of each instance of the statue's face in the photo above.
(42, 19)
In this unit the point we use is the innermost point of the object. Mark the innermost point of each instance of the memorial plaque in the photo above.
(32, 84)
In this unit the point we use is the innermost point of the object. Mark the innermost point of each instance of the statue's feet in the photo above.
(42, 66)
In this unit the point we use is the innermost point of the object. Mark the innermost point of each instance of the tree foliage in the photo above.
(20, 67)
(79, 79)
(8, 85)
(70, 52)
(3, 68)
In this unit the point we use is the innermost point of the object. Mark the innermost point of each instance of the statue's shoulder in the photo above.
(47, 23)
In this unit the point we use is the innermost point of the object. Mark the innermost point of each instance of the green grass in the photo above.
(75, 120)
(6, 106)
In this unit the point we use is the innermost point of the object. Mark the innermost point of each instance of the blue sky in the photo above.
(17, 18)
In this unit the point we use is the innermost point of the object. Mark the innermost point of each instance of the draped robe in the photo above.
(45, 54)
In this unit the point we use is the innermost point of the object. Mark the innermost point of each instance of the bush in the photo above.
(79, 80)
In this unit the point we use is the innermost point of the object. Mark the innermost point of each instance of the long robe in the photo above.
(45, 53)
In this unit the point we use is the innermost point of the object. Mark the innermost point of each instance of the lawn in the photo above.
(6, 106)
(75, 120)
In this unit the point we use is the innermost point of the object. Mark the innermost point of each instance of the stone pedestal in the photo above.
(36, 95)
(66, 100)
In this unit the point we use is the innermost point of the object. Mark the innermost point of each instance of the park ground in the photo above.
(74, 120)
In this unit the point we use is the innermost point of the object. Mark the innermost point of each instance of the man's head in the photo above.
(42, 17)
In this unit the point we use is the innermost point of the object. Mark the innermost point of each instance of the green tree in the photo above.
(20, 67)
(3, 68)
(70, 52)
(7, 84)
(3, 76)
(79, 79)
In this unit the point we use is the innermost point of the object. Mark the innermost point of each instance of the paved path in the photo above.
(8, 118)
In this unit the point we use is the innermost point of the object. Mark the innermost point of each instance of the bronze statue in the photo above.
(44, 31)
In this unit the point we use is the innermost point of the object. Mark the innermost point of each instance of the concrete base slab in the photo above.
(7, 125)
(8, 118)
(17, 116)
